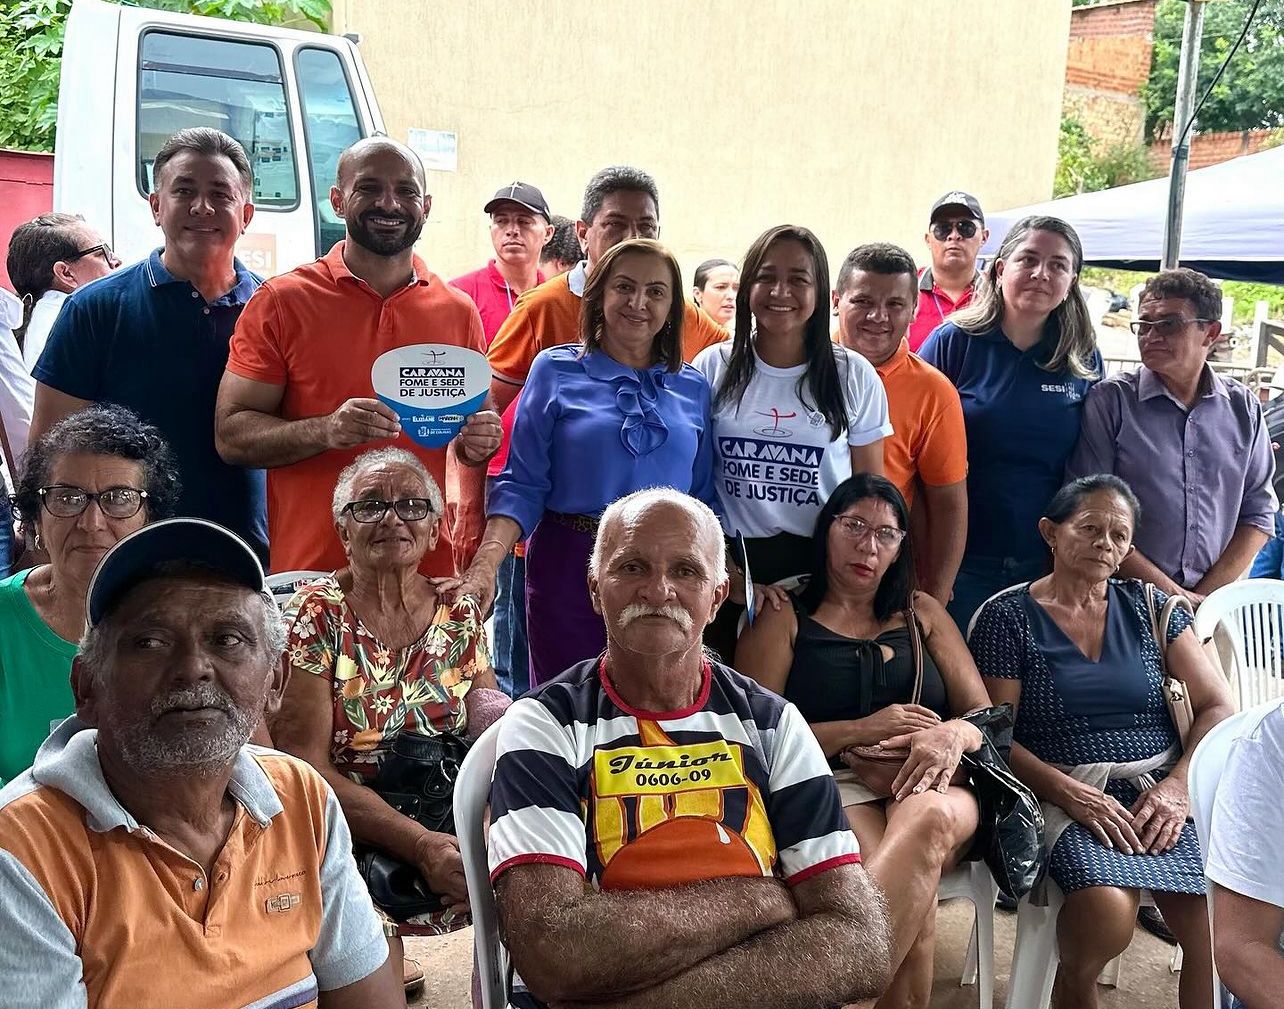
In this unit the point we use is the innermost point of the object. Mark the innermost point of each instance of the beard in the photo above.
(384, 244)
(150, 750)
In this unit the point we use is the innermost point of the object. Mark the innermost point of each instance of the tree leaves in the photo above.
(31, 37)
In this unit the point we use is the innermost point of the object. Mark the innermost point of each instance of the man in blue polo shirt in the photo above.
(154, 336)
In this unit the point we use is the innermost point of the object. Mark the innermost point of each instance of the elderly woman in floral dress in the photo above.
(374, 651)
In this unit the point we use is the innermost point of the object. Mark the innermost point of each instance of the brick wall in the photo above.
(1107, 63)
(1211, 148)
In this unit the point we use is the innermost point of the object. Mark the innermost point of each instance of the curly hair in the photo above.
(102, 429)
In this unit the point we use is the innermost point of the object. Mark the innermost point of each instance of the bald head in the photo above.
(661, 506)
(360, 152)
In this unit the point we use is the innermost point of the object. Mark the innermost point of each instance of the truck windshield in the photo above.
(329, 125)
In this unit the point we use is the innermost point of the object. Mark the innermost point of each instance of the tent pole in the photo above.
(1187, 79)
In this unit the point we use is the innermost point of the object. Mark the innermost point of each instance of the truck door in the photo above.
(131, 77)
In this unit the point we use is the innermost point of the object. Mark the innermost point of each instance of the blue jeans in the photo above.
(511, 659)
(6, 534)
(981, 577)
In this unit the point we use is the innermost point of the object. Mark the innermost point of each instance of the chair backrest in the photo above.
(1251, 616)
(971, 621)
(284, 584)
(472, 793)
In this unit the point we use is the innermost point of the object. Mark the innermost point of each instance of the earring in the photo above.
(39, 545)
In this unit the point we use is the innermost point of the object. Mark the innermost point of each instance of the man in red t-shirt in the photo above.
(297, 397)
(520, 226)
(955, 233)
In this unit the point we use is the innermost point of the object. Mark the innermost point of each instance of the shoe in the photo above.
(1153, 922)
(412, 976)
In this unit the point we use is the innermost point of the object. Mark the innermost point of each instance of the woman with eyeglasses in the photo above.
(847, 654)
(49, 257)
(90, 480)
(374, 651)
(1023, 356)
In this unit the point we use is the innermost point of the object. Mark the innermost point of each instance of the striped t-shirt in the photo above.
(734, 785)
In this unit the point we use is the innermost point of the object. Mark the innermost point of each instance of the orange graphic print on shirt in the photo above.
(665, 813)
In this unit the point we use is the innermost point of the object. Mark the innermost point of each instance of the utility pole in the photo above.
(1187, 80)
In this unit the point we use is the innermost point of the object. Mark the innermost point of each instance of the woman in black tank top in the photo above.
(844, 654)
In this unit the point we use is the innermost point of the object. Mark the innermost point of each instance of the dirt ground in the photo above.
(1145, 982)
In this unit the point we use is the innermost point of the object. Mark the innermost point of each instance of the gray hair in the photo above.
(388, 456)
(616, 179)
(640, 501)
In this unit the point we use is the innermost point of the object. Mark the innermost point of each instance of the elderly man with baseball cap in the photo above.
(955, 233)
(150, 856)
(520, 226)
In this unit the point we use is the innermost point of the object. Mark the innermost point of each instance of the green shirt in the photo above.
(35, 678)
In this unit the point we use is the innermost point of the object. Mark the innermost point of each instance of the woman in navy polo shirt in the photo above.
(1022, 355)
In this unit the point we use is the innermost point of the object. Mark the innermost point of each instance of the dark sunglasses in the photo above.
(408, 509)
(102, 249)
(942, 230)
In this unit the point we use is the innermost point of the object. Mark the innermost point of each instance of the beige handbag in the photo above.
(1175, 695)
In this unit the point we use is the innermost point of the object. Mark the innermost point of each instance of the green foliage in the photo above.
(1246, 295)
(31, 35)
(1250, 94)
(1085, 165)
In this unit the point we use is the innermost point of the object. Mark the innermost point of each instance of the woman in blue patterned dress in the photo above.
(1075, 653)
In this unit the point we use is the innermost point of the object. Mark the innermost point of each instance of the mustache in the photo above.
(636, 611)
(203, 695)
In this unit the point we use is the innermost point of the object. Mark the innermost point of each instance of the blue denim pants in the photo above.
(6, 534)
(511, 659)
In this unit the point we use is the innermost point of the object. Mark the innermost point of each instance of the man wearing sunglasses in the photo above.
(1191, 443)
(955, 233)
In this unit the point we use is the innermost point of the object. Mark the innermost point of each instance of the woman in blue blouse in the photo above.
(598, 420)
(1022, 355)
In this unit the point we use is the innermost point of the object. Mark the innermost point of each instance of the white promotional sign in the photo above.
(433, 387)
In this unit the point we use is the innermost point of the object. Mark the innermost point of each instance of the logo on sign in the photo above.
(434, 388)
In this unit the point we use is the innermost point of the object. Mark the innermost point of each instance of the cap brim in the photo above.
(192, 540)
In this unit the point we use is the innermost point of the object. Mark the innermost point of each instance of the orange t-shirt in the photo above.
(549, 316)
(317, 331)
(927, 418)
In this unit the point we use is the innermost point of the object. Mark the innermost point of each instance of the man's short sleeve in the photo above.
(351, 943)
(1247, 833)
(73, 359)
(256, 351)
(38, 961)
(943, 459)
(513, 350)
(806, 814)
(534, 796)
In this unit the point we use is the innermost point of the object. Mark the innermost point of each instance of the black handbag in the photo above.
(1009, 834)
(417, 779)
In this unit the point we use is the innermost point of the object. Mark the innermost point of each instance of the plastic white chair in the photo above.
(472, 793)
(284, 584)
(1206, 767)
(972, 881)
(1251, 615)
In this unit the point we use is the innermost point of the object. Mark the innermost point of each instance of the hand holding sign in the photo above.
(359, 421)
(479, 438)
(432, 389)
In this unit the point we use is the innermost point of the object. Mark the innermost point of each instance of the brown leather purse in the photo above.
(876, 767)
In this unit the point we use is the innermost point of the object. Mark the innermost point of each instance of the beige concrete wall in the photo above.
(847, 116)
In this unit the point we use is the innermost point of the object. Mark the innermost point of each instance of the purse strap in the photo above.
(916, 653)
(1160, 619)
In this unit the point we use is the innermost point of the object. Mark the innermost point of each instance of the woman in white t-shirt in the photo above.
(794, 414)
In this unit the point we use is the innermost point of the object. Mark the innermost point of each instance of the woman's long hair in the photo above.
(894, 591)
(667, 346)
(1076, 338)
(821, 379)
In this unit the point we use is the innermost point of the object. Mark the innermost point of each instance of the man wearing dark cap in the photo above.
(520, 225)
(955, 233)
(150, 857)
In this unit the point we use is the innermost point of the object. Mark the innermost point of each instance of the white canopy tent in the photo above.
(1233, 225)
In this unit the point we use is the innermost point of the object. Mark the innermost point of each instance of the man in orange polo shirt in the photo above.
(297, 398)
(150, 857)
(874, 300)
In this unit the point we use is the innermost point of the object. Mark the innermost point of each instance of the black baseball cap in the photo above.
(138, 556)
(522, 193)
(956, 198)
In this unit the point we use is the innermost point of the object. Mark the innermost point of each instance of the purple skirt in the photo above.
(562, 627)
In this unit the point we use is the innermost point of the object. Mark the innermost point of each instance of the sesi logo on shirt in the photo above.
(1069, 391)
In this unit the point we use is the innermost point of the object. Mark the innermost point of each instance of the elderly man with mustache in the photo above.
(665, 832)
(150, 857)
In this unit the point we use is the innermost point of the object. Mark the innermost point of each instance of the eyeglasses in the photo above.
(67, 500)
(102, 249)
(408, 509)
(885, 537)
(942, 230)
(1163, 327)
